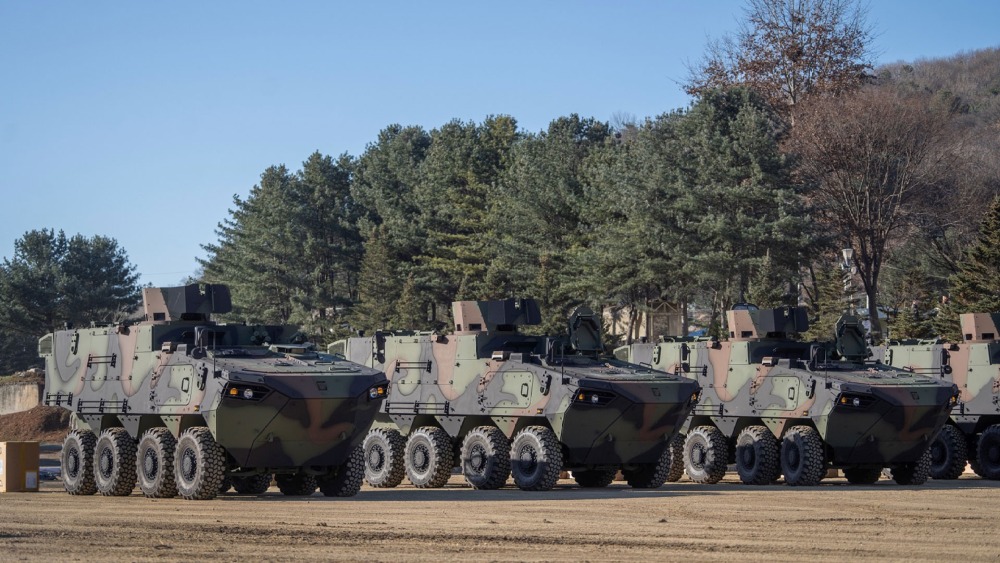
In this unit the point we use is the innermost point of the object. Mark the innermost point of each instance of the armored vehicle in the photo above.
(497, 402)
(973, 431)
(774, 405)
(190, 407)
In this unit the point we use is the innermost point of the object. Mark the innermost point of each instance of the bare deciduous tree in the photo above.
(786, 49)
(872, 157)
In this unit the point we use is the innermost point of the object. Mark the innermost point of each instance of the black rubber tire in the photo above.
(948, 453)
(675, 467)
(535, 459)
(347, 481)
(757, 459)
(199, 464)
(429, 457)
(862, 475)
(972, 451)
(154, 460)
(252, 484)
(988, 452)
(114, 463)
(382, 453)
(915, 473)
(78, 462)
(653, 475)
(296, 484)
(485, 458)
(803, 461)
(706, 453)
(594, 478)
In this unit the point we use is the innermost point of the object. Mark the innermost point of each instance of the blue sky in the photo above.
(141, 120)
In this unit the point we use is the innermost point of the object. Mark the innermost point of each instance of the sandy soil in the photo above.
(954, 521)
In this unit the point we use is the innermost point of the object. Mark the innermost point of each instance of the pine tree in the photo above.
(378, 290)
(827, 303)
(976, 286)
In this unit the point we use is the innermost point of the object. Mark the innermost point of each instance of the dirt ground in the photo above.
(942, 520)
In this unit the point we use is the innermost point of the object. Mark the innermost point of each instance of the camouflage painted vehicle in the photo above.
(496, 402)
(973, 432)
(191, 408)
(773, 405)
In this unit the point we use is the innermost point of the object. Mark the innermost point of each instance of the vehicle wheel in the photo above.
(535, 459)
(802, 458)
(78, 462)
(989, 453)
(296, 485)
(114, 463)
(383, 451)
(915, 473)
(199, 464)
(706, 453)
(227, 483)
(757, 456)
(594, 478)
(154, 461)
(948, 454)
(429, 457)
(252, 484)
(676, 460)
(347, 481)
(972, 451)
(862, 475)
(485, 458)
(653, 475)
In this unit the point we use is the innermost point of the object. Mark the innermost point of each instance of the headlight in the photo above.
(377, 392)
(246, 392)
(595, 398)
(855, 400)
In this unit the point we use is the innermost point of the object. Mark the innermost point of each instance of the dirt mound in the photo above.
(41, 424)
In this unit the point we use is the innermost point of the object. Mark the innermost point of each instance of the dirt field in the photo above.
(954, 521)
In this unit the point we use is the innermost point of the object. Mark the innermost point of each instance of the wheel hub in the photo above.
(188, 464)
(376, 458)
(421, 458)
(528, 458)
(748, 456)
(993, 453)
(937, 453)
(698, 455)
(107, 462)
(150, 465)
(73, 462)
(477, 460)
(792, 457)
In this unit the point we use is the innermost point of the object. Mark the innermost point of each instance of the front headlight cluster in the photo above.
(246, 392)
(595, 398)
(377, 392)
(855, 400)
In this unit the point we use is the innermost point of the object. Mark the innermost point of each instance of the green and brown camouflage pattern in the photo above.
(269, 399)
(762, 376)
(605, 412)
(974, 366)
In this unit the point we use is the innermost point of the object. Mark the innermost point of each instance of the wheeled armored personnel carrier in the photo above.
(190, 407)
(973, 432)
(497, 402)
(774, 405)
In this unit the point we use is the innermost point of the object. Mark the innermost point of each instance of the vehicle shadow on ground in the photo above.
(569, 493)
